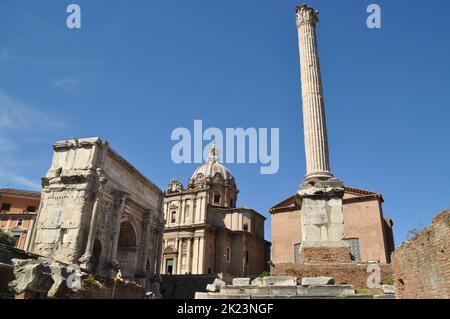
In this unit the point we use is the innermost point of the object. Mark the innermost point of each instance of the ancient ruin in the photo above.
(97, 211)
(321, 193)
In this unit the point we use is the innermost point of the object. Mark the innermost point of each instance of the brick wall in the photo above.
(350, 273)
(184, 286)
(422, 264)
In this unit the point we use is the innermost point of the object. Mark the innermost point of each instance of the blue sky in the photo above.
(139, 69)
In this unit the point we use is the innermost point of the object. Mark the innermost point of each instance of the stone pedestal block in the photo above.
(280, 281)
(241, 282)
(314, 281)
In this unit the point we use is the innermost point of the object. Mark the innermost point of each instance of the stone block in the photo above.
(358, 297)
(282, 290)
(212, 295)
(212, 288)
(317, 281)
(280, 281)
(257, 282)
(225, 277)
(201, 295)
(216, 285)
(324, 291)
(388, 296)
(241, 282)
(244, 290)
(388, 289)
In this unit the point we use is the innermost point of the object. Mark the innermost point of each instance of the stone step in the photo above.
(250, 290)
(214, 295)
(328, 290)
(205, 295)
(386, 296)
(280, 281)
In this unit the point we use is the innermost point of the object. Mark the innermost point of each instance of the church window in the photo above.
(216, 198)
(6, 207)
(246, 227)
(20, 222)
(173, 217)
(246, 257)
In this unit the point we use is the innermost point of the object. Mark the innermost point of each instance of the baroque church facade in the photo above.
(205, 233)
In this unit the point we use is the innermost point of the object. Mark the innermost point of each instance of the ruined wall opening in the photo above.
(96, 253)
(127, 249)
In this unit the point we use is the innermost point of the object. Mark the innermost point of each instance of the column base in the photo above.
(321, 187)
(325, 253)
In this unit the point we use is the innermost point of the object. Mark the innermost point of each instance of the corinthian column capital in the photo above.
(306, 14)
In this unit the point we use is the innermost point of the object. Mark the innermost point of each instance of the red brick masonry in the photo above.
(347, 273)
(422, 264)
(325, 255)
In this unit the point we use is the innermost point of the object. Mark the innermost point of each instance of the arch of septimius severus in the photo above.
(98, 211)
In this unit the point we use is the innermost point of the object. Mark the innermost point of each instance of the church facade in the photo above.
(205, 233)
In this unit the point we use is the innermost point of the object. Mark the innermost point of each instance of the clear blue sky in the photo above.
(138, 69)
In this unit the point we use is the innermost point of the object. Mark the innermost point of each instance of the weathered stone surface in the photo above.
(280, 281)
(257, 282)
(222, 296)
(212, 288)
(282, 290)
(387, 296)
(315, 133)
(388, 289)
(246, 290)
(315, 281)
(324, 291)
(241, 282)
(201, 295)
(357, 297)
(31, 275)
(90, 196)
(228, 278)
(216, 285)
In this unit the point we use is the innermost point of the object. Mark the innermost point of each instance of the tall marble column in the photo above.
(86, 261)
(315, 131)
(321, 193)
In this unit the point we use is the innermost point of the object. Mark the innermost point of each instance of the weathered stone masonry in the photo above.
(98, 211)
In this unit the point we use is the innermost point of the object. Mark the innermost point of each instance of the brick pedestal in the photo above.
(321, 255)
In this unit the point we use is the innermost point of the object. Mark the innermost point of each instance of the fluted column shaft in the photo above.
(117, 222)
(315, 132)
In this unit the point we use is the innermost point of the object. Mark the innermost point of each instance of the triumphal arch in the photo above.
(101, 213)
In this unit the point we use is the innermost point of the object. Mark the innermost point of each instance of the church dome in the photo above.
(213, 167)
